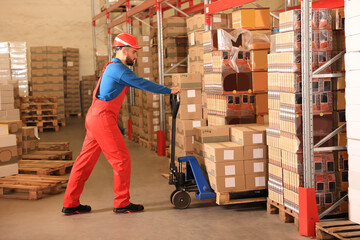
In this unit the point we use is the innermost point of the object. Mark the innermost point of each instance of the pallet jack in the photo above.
(194, 179)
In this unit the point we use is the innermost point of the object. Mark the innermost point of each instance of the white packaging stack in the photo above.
(352, 66)
(4, 62)
(7, 110)
(18, 64)
(8, 152)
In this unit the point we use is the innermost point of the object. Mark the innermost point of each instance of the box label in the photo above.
(191, 93)
(257, 138)
(146, 70)
(191, 108)
(258, 153)
(230, 182)
(259, 167)
(196, 124)
(228, 154)
(145, 59)
(230, 170)
(260, 181)
(145, 49)
(192, 39)
(216, 19)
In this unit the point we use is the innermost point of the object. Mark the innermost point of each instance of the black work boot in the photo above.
(76, 210)
(131, 208)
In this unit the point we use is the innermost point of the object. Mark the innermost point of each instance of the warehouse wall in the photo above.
(64, 23)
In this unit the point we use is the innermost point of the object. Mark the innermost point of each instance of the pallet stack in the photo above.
(87, 85)
(284, 135)
(40, 112)
(72, 81)
(47, 75)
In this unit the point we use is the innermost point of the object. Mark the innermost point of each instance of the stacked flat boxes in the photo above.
(352, 65)
(190, 112)
(19, 70)
(72, 81)
(8, 152)
(47, 75)
(284, 135)
(87, 86)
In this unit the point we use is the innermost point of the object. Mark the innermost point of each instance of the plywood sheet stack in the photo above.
(284, 135)
(47, 75)
(352, 33)
(72, 81)
(87, 85)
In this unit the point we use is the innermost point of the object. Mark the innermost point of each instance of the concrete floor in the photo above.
(41, 219)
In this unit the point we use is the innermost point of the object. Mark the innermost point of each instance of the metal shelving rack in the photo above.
(209, 8)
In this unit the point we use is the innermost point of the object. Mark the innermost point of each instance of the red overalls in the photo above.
(103, 134)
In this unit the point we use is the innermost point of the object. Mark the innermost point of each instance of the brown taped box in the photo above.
(255, 166)
(261, 103)
(248, 136)
(223, 169)
(198, 148)
(30, 145)
(256, 181)
(189, 96)
(38, 57)
(186, 127)
(29, 133)
(151, 100)
(39, 65)
(195, 39)
(190, 111)
(223, 151)
(259, 82)
(212, 134)
(143, 40)
(255, 152)
(259, 60)
(227, 184)
(13, 125)
(38, 50)
(8, 155)
(184, 142)
(250, 18)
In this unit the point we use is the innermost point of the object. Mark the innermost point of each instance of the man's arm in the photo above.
(129, 78)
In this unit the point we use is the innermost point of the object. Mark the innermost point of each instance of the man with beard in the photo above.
(102, 132)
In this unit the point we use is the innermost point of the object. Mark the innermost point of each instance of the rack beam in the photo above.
(222, 5)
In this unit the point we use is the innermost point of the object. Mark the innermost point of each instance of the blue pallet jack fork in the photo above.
(194, 179)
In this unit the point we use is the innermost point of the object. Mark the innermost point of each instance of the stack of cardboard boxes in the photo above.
(352, 34)
(284, 136)
(47, 75)
(5, 70)
(101, 60)
(190, 112)
(72, 81)
(18, 64)
(8, 152)
(87, 85)
(143, 66)
(30, 139)
(7, 110)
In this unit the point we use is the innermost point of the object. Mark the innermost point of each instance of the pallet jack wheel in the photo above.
(171, 196)
(181, 199)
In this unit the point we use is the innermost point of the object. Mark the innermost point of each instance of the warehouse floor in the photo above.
(42, 219)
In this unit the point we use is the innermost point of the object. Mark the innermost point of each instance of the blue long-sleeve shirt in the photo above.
(116, 76)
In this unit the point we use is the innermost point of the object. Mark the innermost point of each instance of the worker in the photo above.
(103, 133)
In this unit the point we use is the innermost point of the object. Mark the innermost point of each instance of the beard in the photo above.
(129, 62)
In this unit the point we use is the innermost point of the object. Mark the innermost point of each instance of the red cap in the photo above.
(125, 39)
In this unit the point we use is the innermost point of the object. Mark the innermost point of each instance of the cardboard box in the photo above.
(9, 169)
(14, 126)
(8, 141)
(199, 148)
(8, 155)
(261, 103)
(29, 133)
(255, 152)
(4, 130)
(227, 184)
(195, 23)
(256, 181)
(255, 166)
(212, 134)
(259, 82)
(247, 136)
(223, 151)
(259, 60)
(244, 18)
(262, 119)
(187, 127)
(190, 111)
(143, 40)
(190, 96)
(185, 143)
(30, 145)
(187, 80)
(151, 100)
(195, 39)
(223, 169)
(340, 100)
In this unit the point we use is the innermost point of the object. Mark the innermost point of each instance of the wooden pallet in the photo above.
(62, 123)
(225, 199)
(285, 214)
(48, 155)
(54, 146)
(344, 230)
(31, 112)
(45, 167)
(55, 128)
(38, 99)
(135, 139)
(30, 187)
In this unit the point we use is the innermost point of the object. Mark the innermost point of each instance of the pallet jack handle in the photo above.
(174, 104)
